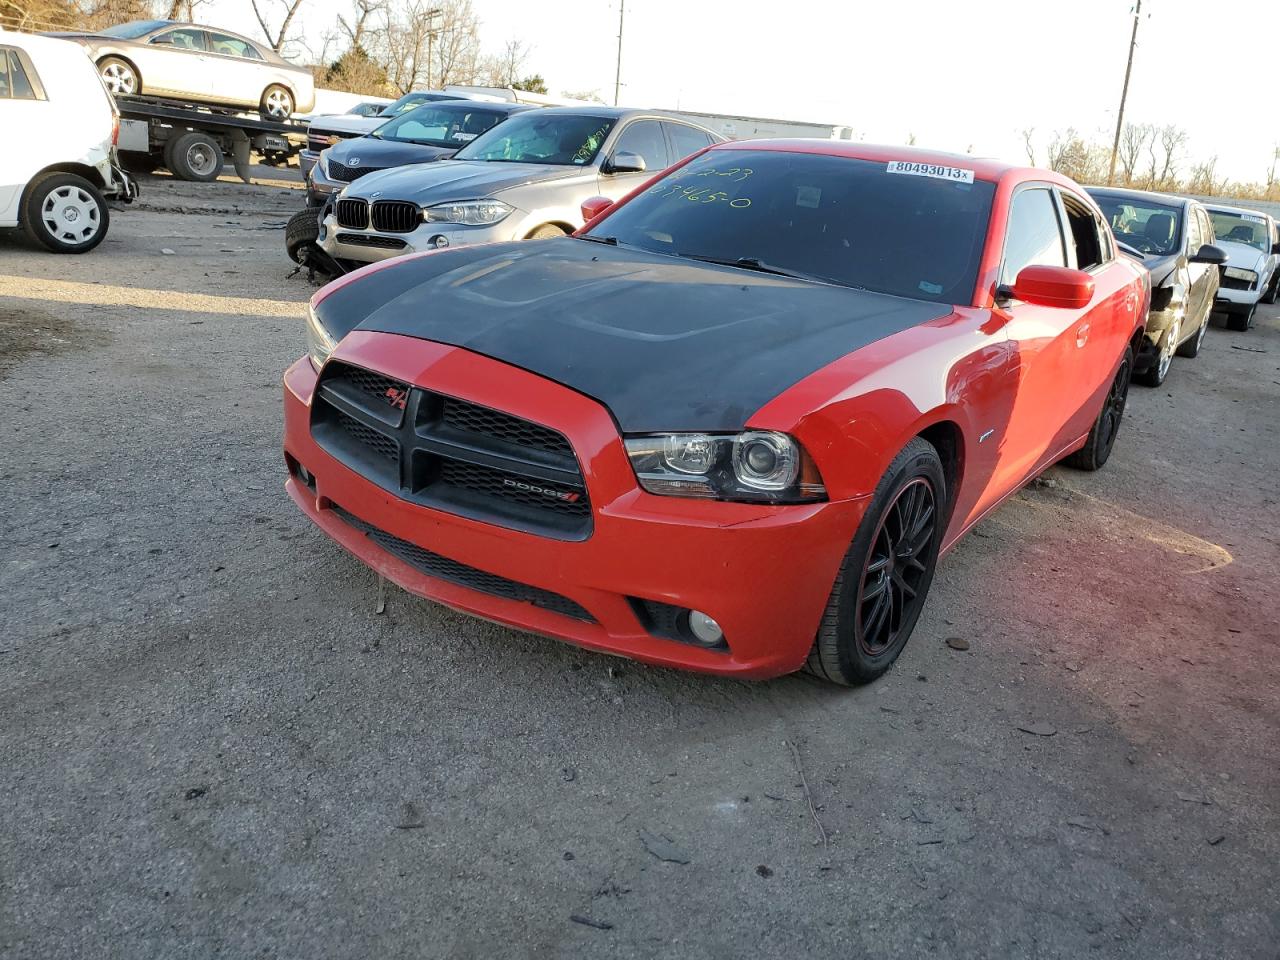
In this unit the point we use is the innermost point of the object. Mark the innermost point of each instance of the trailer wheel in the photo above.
(194, 156)
(277, 103)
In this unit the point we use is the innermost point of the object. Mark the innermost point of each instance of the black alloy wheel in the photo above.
(1102, 436)
(884, 579)
(890, 593)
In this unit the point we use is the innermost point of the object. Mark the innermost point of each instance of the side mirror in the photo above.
(1275, 247)
(593, 207)
(1211, 254)
(1053, 287)
(624, 162)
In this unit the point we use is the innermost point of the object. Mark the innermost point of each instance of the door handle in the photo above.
(1082, 334)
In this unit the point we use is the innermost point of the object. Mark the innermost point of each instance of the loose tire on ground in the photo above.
(65, 213)
(300, 232)
(194, 156)
(904, 523)
(548, 231)
(1102, 436)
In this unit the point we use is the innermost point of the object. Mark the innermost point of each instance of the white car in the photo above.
(54, 105)
(1252, 271)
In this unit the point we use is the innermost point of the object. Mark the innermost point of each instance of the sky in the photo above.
(961, 75)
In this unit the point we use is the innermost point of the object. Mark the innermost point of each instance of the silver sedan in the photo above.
(165, 58)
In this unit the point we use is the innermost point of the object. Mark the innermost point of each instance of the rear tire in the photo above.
(194, 156)
(548, 231)
(1102, 436)
(65, 213)
(884, 579)
(119, 76)
(276, 104)
(301, 231)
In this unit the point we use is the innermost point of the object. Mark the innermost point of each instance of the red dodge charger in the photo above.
(732, 423)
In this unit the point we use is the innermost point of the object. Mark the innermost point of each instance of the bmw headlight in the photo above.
(319, 341)
(756, 465)
(473, 213)
(1238, 274)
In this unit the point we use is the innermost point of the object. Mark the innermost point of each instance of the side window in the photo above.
(182, 39)
(1034, 236)
(230, 46)
(16, 77)
(685, 140)
(1195, 234)
(1082, 234)
(645, 138)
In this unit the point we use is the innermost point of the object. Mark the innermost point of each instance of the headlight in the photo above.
(1238, 274)
(319, 343)
(758, 465)
(474, 213)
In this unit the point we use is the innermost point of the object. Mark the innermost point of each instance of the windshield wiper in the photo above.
(611, 241)
(759, 266)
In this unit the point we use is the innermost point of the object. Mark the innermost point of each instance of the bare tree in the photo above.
(277, 38)
(1029, 145)
(1172, 139)
(1204, 178)
(506, 69)
(1133, 138)
(183, 9)
(361, 21)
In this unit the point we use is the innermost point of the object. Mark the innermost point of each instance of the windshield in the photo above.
(440, 125)
(411, 100)
(1249, 228)
(846, 221)
(133, 29)
(535, 137)
(1151, 228)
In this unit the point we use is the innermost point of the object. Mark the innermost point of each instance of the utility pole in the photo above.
(430, 16)
(1124, 94)
(617, 77)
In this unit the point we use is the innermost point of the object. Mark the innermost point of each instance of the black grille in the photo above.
(1235, 283)
(364, 240)
(396, 216)
(442, 568)
(345, 174)
(353, 214)
(451, 454)
(477, 419)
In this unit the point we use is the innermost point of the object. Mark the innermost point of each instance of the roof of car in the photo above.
(984, 168)
(1169, 198)
(1225, 208)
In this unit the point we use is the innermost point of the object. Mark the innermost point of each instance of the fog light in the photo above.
(439, 241)
(705, 630)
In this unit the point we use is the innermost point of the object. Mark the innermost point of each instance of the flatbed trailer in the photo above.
(192, 140)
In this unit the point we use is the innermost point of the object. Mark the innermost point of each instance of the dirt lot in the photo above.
(212, 746)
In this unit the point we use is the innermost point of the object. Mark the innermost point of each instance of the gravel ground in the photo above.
(212, 746)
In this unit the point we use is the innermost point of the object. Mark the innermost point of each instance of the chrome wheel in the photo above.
(890, 591)
(71, 214)
(119, 78)
(1170, 346)
(278, 103)
(1200, 335)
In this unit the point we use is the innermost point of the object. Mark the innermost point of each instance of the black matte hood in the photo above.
(371, 153)
(665, 343)
(1161, 268)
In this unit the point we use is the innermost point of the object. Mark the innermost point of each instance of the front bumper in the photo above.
(763, 572)
(369, 246)
(1229, 299)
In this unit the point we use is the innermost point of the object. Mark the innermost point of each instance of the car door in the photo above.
(24, 116)
(238, 70)
(643, 138)
(1047, 366)
(175, 62)
(1198, 274)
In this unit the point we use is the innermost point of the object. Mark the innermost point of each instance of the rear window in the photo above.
(1151, 228)
(1248, 228)
(836, 219)
(133, 29)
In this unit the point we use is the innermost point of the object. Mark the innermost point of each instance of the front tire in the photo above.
(1155, 374)
(65, 213)
(300, 232)
(883, 582)
(1273, 291)
(1191, 348)
(277, 103)
(548, 231)
(1102, 436)
(120, 76)
(1241, 320)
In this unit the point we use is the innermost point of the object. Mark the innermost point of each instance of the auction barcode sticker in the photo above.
(954, 174)
(1253, 218)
